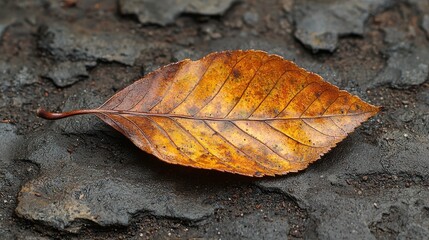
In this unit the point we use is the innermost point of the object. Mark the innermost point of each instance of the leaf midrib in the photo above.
(168, 115)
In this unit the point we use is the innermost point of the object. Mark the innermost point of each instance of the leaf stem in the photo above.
(41, 112)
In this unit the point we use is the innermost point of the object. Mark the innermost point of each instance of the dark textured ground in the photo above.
(79, 179)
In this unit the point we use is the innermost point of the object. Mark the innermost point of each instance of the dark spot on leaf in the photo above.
(236, 73)
(193, 110)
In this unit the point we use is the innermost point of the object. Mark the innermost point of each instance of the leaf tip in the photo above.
(378, 108)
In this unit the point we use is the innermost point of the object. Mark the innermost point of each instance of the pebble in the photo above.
(320, 23)
(251, 18)
(69, 42)
(158, 12)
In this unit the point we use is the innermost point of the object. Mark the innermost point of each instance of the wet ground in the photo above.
(79, 179)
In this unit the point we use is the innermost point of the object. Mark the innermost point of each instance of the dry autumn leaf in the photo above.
(244, 112)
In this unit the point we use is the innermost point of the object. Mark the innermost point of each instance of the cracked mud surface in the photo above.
(79, 179)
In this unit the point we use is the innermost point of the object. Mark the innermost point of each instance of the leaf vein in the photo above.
(309, 105)
(111, 99)
(271, 90)
(295, 95)
(247, 86)
(195, 86)
(230, 143)
(223, 84)
(142, 98)
(169, 137)
(311, 126)
(337, 126)
(287, 135)
(144, 114)
(276, 153)
(143, 133)
(348, 109)
(168, 89)
(326, 109)
(192, 136)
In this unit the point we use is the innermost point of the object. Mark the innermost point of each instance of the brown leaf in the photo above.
(244, 112)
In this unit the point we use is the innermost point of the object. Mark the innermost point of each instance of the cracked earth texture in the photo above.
(79, 179)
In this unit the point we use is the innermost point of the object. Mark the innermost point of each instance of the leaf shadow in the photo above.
(137, 165)
(183, 177)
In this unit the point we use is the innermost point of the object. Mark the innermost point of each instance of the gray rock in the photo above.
(407, 63)
(73, 42)
(251, 18)
(25, 77)
(341, 205)
(396, 39)
(425, 24)
(320, 23)
(8, 142)
(67, 73)
(204, 7)
(405, 69)
(317, 41)
(17, 76)
(165, 12)
(62, 198)
(12, 173)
